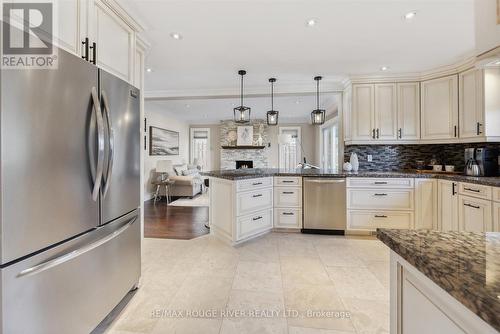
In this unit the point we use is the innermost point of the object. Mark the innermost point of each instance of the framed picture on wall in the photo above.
(163, 142)
(498, 11)
(245, 136)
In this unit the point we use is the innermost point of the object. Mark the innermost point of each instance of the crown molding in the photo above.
(252, 91)
(123, 13)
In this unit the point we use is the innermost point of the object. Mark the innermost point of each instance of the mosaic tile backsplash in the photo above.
(397, 157)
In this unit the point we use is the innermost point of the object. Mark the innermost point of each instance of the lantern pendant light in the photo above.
(317, 115)
(242, 113)
(272, 115)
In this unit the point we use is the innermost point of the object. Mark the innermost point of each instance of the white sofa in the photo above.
(188, 181)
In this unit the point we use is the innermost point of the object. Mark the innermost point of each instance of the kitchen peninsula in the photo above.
(443, 282)
(247, 203)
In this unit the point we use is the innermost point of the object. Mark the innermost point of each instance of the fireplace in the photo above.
(241, 164)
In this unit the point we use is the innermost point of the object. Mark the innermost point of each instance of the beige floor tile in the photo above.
(338, 255)
(292, 246)
(369, 316)
(261, 250)
(219, 264)
(381, 271)
(255, 301)
(316, 298)
(300, 270)
(357, 282)
(258, 276)
(187, 326)
(202, 293)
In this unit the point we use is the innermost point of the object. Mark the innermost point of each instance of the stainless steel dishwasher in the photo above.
(324, 205)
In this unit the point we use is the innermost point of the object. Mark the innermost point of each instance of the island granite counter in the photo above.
(253, 173)
(444, 282)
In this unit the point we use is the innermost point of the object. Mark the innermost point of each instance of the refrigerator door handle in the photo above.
(98, 170)
(107, 178)
(73, 254)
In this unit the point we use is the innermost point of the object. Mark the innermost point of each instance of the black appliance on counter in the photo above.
(481, 161)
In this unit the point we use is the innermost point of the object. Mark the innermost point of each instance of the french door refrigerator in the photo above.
(69, 178)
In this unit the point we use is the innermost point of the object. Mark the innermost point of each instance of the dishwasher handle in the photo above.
(324, 180)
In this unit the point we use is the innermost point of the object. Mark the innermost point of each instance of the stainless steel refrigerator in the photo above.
(69, 178)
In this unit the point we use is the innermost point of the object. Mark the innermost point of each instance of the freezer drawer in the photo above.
(72, 287)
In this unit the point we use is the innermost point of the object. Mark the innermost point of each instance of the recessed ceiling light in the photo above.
(384, 68)
(311, 22)
(410, 15)
(497, 62)
(176, 35)
(297, 102)
(149, 70)
(188, 106)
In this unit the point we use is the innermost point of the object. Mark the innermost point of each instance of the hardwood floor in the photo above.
(174, 222)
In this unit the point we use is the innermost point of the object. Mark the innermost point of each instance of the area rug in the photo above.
(200, 200)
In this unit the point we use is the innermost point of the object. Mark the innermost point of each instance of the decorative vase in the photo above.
(347, 166)
(354, 162)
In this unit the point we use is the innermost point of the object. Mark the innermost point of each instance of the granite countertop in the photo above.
(240, 174)
(464, 264)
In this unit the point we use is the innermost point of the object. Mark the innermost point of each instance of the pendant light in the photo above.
(317, 115)
(272, 115)
(242, 113)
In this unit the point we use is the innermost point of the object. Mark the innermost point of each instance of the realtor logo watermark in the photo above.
(28, 29)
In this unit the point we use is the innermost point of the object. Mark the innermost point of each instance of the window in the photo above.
(330, 145)
(200, 147)
(289, 153)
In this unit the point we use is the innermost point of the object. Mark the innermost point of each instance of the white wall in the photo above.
(214, 144)
(487, 28)
(158, 116)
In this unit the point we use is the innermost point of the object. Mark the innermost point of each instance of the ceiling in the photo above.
(271, 38)
(292, 108)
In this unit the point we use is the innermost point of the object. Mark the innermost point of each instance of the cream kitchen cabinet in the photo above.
(474, 214)
(385, 111)
(426, 212)
(363, 112)
(71, 23)
(470, 104)
(439, 108)
(114, 38)
(408, 111)
(496, 217)
(374, 112)
(347, 113)
(447, 205)
(287, 202)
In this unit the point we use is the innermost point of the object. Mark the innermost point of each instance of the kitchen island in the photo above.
(444, 282)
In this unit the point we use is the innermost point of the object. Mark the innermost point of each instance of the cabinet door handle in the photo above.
(287, 192)
(373, 133)
(378, 134)
(256, 184)
(287, 181)
(85, 43)
(473, 190)
(453, 191)
(455, 131)
(400, 133)
(287, 213)
(380, 182)
(472, 206)
(258, 195)
(478, 128)
(257, 218)
(94, 53)
(379, 194)
(380, 216)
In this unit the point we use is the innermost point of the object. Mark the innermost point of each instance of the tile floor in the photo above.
(277, 272)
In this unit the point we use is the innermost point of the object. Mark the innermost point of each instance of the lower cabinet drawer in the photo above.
(248, 202)
(287, 218)
(251, 184)
(253, 224)
(475, 190)
(288, 196)
(371, 220)
(382, 199)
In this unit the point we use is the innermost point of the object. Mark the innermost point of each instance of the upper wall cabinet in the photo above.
(439, 102)
(99, 31)
(115, 41)
(408, 111)
(470, 104)
(346, 114)
(385, 112)
(363, 112)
